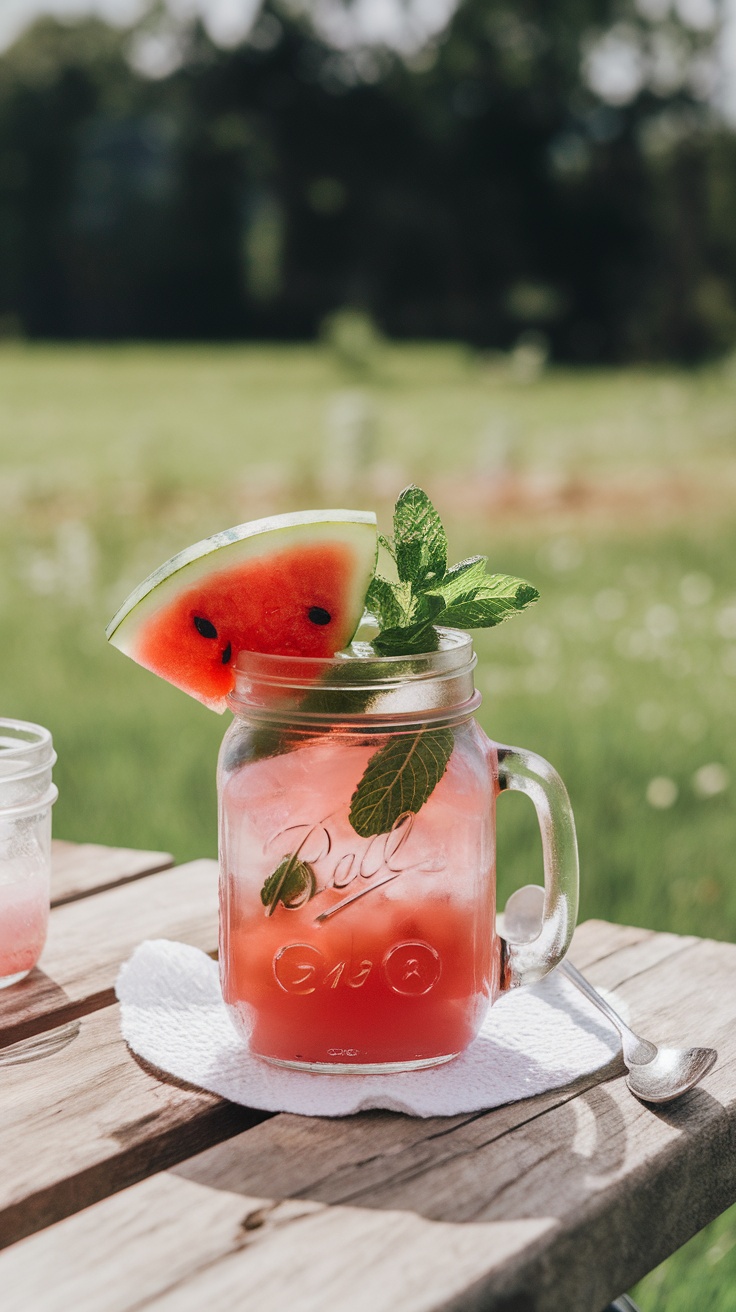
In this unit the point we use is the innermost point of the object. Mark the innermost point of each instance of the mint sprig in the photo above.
(427, 593)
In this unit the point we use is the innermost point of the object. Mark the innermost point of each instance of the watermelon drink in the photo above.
(357, 859)
(26, 797)
(356, 793)
(392, 959)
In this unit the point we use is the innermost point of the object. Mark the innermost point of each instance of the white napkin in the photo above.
(534, 1039)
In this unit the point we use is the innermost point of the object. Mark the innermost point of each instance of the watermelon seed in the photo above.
(319, 616)
(227, 653)
(204, 627)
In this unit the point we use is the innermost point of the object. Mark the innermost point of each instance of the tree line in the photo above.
(481, 190)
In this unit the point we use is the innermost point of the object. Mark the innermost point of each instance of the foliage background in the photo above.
(565, 170)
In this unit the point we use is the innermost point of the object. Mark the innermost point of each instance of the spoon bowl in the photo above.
(656, 1075)
(671, 1073)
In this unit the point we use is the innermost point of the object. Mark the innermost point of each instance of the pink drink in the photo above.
(26, 797)
(24, 913)
(357, 859)
(393, 958)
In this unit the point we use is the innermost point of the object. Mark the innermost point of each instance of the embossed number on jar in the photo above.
(301, 968)
(412, 968)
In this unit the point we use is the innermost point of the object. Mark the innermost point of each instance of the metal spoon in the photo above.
(655, 1074)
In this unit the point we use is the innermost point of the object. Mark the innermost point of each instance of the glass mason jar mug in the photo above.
(357, 859)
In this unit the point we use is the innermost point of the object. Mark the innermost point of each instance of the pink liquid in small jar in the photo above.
(27, 795)
(24, 915)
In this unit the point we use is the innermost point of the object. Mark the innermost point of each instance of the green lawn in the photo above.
(613, 492)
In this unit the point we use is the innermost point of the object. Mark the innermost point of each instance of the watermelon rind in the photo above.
(258, 537)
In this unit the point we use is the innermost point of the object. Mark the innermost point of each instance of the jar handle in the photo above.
(524, 772)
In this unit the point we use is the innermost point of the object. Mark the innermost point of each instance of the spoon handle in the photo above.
(636, 1051)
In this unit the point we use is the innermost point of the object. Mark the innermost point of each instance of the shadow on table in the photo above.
(554, 1191)
(34, 1006)
(39, 1045)
(478, 1167)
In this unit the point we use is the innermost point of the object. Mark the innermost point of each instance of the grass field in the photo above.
(613, 492)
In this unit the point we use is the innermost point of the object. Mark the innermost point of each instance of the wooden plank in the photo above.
(614, 954)
(174, 1223)
(597, 939)
(80, 1117)
(563, 1200)
(89, 940)
(78, 869)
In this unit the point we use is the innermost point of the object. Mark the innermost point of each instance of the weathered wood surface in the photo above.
(80, 1117)
(90, 939)
(560, 1201)
(79, 869)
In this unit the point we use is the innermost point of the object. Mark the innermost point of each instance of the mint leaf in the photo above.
(292, 884)
(427, 607)
(399, 778)
(460, 579)
(494, 601)
(416, 636)
(382, 601)
(421, 541)
(408, 639)
(502, 585)
(409, 563)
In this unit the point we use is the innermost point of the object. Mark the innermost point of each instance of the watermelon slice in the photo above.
(292, 585)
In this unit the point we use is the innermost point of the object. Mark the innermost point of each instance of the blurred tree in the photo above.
(588, 173)
(58, 86)
(553, 168)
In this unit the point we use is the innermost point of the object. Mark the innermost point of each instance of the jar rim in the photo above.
(26, 749)
(455, 644)
(37, 736)
(358, 683)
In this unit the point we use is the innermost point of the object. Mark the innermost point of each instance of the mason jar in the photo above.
(357, 805)
(27, 794)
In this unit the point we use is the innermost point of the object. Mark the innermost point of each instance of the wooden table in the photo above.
(122, 1190)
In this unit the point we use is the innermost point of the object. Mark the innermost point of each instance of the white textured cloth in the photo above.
(534, 1039)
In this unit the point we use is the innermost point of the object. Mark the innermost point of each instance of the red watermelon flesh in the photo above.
(290, 585)
(259, 605)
